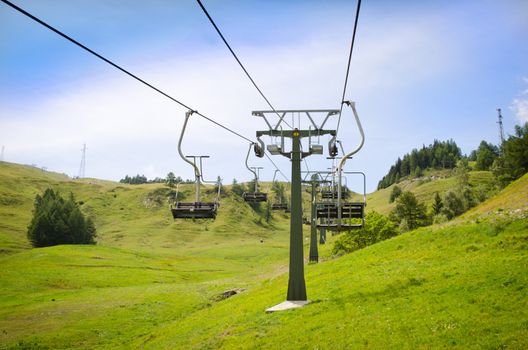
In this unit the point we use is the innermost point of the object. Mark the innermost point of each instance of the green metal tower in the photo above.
(296, 283)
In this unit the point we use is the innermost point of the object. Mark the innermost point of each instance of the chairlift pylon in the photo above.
(196, 209)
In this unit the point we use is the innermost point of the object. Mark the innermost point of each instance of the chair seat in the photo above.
(350, 210)
(195, 210)
(255, 197)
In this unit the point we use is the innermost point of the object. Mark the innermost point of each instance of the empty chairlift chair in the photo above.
(338, 214)
(279, 205)
(196, 209)
(255, 196)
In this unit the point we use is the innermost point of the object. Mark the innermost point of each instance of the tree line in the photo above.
(438, 155)
(508, 162)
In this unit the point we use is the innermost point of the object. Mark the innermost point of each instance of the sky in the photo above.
(421, 70)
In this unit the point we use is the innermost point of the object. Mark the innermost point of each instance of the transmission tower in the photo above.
(501, 128)
(82, 167)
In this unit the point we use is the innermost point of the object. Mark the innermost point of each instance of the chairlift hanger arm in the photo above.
(362, 142)
(346, 156)
(197, 173)
(247, 165)
(274, 175)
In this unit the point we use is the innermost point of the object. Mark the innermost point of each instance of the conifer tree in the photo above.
(59, 221)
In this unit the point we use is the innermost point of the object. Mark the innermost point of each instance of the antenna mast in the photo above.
(82, 167)
(501, 128)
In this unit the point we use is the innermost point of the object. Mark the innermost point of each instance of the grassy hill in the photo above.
(154, 283)
(425, 188)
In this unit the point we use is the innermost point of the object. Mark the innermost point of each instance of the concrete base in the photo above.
(288, 304)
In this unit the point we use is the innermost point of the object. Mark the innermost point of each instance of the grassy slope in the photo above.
(142, 286)
(426, 189)
(463, 285)
(142, 260)
(514, 199)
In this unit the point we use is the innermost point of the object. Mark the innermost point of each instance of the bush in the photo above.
(377, 228)
(453, 205)
(410, 211)
(513, 161)
(59, 221)
(395, 193)
(237, 189)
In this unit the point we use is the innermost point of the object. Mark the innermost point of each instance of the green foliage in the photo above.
(395, 193)
(237, 188)
(409, 212)
(453, 205)
(59, 221)
(485, 155)
(464, 188)
(438, 204)
(377, 228)
(170, 180)
(134, 180)
(218, 186)
(279, 191)
(439, 155)
(513, 162)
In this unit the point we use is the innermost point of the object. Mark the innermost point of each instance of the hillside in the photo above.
(154, 283)
(425, 188)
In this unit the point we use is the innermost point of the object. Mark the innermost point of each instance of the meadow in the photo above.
(151, 282)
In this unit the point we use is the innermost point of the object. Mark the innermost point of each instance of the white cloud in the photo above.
(519, 105)
(520, 108)
(129, 128)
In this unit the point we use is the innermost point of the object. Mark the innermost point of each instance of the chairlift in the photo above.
(330, 190)
(278, 205)
(196, 209)
(336, 214)
(255, 196)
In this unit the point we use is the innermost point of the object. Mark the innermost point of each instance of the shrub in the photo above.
(377, 228)
(409, 209)
(453, 205)
(395, 193)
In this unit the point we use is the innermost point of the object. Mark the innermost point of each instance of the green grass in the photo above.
(462, 287)
(425, 188)
(152, 282)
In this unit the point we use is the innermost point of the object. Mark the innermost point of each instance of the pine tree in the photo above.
(438, 204)
(59, 221)
(410, 211)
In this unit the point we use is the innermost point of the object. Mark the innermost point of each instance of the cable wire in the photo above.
(130, 74)
(348, 65)
(239, 62)
(119, 67)
(276, 167)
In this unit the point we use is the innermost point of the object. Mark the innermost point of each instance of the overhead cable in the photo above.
(24, 12)
(348, 65)
(119, 67)
(276, 167)
(239, 62)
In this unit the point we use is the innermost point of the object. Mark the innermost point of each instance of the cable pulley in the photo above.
(258, 148)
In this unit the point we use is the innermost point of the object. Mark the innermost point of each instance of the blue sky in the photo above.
(421, 70)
